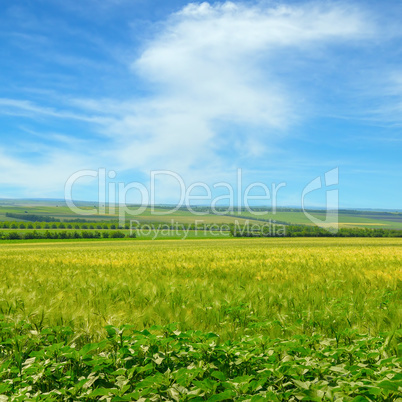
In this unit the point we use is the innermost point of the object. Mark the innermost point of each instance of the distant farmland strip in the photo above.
(32, 218)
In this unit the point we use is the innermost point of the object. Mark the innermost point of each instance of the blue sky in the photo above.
(284, 90)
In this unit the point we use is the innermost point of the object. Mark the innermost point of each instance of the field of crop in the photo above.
(218, 286)
(384, 220)
(369, 219)
(277, 319)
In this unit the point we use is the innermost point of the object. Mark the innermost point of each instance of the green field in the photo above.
(92, 284)
(280, 319)
(58, 209)
(373, 220)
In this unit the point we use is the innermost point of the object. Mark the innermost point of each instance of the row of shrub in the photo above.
(61, 225)
(310, 231)
(255, 230)
(101, 225)
(64, 235)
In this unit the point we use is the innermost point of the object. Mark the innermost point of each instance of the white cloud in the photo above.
(217, 64)
(212, 66)
(378, 100)
(39, 179)
(29, 109)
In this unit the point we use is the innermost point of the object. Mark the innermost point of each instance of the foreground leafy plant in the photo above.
(166, 364)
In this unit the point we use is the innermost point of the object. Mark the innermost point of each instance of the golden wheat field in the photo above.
(232, 287)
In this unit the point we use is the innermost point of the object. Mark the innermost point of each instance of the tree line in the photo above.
(64, 235)
(32, 217)
(314, 231)
(61, 225)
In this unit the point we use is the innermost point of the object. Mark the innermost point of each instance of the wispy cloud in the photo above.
(29, 109)
(389, 110)
(217, 66)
